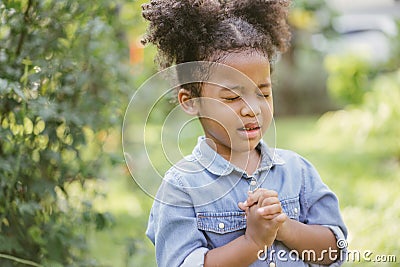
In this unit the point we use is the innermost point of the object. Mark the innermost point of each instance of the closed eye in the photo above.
(264, 95)
(231, 98)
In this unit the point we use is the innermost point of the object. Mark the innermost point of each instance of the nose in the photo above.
(251, 107)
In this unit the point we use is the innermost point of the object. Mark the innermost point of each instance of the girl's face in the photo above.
(237, 111)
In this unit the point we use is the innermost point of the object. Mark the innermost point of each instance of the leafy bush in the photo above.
(372, 96)
(349, 78)
(61, 84)
(373, 121)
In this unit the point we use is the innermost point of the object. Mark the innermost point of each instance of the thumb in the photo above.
(281, 218)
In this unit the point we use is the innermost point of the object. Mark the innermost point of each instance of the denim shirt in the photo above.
(196, 207)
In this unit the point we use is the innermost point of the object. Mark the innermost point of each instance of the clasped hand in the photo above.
(264, 216)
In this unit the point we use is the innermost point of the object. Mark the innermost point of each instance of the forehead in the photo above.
(241, 68)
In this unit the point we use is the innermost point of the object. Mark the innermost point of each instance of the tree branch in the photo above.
(23, 33)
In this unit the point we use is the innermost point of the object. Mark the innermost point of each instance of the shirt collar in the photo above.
(216, 164)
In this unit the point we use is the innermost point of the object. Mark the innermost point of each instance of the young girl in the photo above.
(234, 201)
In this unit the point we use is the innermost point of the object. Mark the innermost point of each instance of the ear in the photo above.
(187, 102)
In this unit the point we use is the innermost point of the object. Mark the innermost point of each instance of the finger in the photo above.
(259, 195)
(242, 206)
(271, 216)
(270, 210)
(281, 218)
(269, 201)
(246, 204)
(268, 193)
(262, 192)
(278, 218)
(252, 198)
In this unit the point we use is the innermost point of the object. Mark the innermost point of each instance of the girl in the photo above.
(234, 201)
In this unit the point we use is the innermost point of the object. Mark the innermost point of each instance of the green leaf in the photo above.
(36, 234)
(9, 244)
(4, 88)
(28, 208)
(17, 90)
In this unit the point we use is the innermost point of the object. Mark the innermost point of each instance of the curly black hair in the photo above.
(205, 30)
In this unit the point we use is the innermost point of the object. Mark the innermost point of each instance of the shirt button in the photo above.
(272, 264)
(221, 225)
(253, 182)
(296, 210)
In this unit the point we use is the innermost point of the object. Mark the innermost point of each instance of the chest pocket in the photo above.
(221, 222)
(291, 207)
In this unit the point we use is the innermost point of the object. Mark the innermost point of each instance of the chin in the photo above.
(246, 146)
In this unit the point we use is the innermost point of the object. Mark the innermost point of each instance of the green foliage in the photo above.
(62, 78)
(394, 61)
(372, 121)
(299, 75)
(371, 93)
(348, 79)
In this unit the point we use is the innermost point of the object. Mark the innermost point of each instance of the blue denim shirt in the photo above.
(196, 207)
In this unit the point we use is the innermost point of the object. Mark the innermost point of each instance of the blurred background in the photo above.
(69, 68)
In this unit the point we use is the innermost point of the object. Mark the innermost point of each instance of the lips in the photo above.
(250, 131)
(250, 127)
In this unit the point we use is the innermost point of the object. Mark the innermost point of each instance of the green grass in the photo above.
(365, 179)
(124, 243)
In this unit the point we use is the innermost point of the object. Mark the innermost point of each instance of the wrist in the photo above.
(284, 232)
(251, 243)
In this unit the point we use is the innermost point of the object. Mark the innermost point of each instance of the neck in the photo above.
(247, 160)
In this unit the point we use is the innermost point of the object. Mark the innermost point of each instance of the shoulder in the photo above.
(186, 165)
(184, 169)
(297, 165)
(198, 182)
(188, 173)
(176, 184)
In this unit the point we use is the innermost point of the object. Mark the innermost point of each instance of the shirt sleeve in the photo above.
(196, 258)
(321, 206)
(173, 228)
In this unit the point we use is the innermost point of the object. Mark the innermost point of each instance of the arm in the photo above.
(320, 224)
(300, 236)
(239, 252)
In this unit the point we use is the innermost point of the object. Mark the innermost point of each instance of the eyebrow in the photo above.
(240, 87)
(230, 88)
(262, 85)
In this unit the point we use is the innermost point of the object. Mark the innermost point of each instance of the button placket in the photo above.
(253, 184)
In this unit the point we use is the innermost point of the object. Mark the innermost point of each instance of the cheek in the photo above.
(268, 109)
(218, 111)
(220, 121)
(271, 106)
(216, 129)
